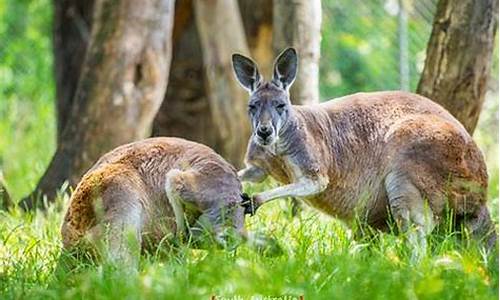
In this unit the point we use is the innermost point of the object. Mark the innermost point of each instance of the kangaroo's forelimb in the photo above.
(304, 187)
(252, 174)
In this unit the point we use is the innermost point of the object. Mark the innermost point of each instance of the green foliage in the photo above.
(359, 49)
(26, 63)
(321, 260)
(27, 126)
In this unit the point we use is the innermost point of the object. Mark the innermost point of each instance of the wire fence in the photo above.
(381, 45)
(374, 45)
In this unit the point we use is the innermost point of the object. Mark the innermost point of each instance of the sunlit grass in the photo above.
(320, 260)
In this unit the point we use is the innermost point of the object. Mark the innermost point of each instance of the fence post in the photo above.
(404, 69)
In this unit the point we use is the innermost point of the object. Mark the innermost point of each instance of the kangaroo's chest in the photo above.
(280, 169)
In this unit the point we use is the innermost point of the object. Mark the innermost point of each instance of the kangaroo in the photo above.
(152, 189)
(365, 156)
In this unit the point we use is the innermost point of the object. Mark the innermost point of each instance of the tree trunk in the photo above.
(71, 31)
(221, 34)
(122, 84)
(458, 62)
(5, 200)
(297, 23)
(257, 16)
(186, 112)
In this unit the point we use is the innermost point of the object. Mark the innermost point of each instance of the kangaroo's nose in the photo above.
(264, 131)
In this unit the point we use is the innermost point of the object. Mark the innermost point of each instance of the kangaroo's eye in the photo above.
(280, 107)
(252, 108)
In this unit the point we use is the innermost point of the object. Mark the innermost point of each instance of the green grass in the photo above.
(320, 260)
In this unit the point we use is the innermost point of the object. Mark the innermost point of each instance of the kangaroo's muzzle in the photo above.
(265, 135)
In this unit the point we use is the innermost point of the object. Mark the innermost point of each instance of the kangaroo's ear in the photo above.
(285, 68)
(247, 72)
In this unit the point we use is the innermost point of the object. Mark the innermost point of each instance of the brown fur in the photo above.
(363, 155)
(133, 177)
(354, 141)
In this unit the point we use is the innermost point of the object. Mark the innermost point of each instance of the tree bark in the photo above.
(297, 24)
(257, 16)
(122, 84)
(221, 33)
(5, 200)
(459, 52)
(71, 31)
(185, 111)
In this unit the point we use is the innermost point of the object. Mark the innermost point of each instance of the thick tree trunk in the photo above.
(71, 32)
(221, 34)
(297, 23)
(122, 84)
(185, 112)
(257, 16)
(458, 62)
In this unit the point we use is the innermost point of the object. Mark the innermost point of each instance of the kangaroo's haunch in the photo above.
(151, 189)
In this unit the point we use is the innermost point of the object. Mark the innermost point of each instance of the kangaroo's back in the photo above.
(383, 109)
(145, 185)
(152, 158)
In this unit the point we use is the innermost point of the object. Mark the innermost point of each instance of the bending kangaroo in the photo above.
(363, 155)
(152, 189)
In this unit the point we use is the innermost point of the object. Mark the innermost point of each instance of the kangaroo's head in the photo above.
(269, 106)
(215, 205)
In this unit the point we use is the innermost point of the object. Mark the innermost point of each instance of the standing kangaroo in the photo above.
(150, 189)
(363, 155)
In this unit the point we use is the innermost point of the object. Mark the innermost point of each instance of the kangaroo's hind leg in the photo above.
(106, 227)
(118, 231)
(411, 212)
